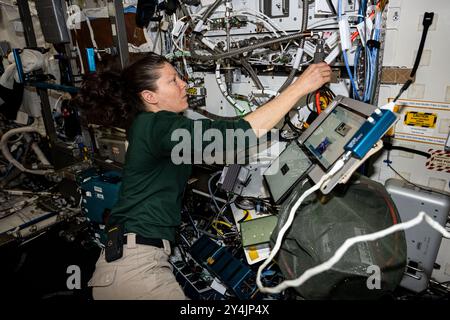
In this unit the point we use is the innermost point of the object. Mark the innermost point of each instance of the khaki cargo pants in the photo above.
(143, 273)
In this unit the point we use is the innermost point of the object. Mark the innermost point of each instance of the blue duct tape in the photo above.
(18, 61)
(91, 59)
(129, 9)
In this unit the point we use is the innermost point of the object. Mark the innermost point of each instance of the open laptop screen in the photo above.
(327, 142)
(286, 171)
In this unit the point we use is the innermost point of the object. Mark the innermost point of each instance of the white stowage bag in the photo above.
(31, 60)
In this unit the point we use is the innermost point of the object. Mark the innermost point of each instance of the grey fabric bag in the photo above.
(318, 230)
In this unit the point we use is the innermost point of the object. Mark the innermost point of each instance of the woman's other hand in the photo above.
(315, 76)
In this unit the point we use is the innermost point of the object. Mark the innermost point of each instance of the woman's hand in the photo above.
(315, 76)
(267, 116)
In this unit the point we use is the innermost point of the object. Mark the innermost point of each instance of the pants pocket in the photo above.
(103, 276)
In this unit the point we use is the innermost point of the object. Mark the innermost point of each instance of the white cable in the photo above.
(56, 104)
(174, 42)
(223, 90)
(187, 69)
(199, 13)
(210, 190)
(298, 57)
(91, 33)
(268, 19)
(198, 16)
(79, 57)
(75, 15)
(269, 92)
(10, 158)
(40, 155)
(321, 23)
(268, 24)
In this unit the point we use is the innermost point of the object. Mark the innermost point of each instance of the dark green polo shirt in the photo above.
(150, 197)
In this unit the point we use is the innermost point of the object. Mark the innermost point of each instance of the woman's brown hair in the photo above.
(112, 98)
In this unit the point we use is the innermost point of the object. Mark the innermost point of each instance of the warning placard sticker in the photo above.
(424, 122)
(439, 160)
(420, 119)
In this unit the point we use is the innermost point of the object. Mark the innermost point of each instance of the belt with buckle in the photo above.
(147, 241)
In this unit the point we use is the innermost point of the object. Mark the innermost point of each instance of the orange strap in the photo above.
(319, 109)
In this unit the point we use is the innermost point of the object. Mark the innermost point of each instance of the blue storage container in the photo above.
(99, 195)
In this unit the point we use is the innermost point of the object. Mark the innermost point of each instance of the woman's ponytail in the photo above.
(103, 100)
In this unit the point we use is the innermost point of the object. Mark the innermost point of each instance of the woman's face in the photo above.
(171, 90)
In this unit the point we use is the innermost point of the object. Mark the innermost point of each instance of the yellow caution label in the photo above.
(191, 91)
(420, 119)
